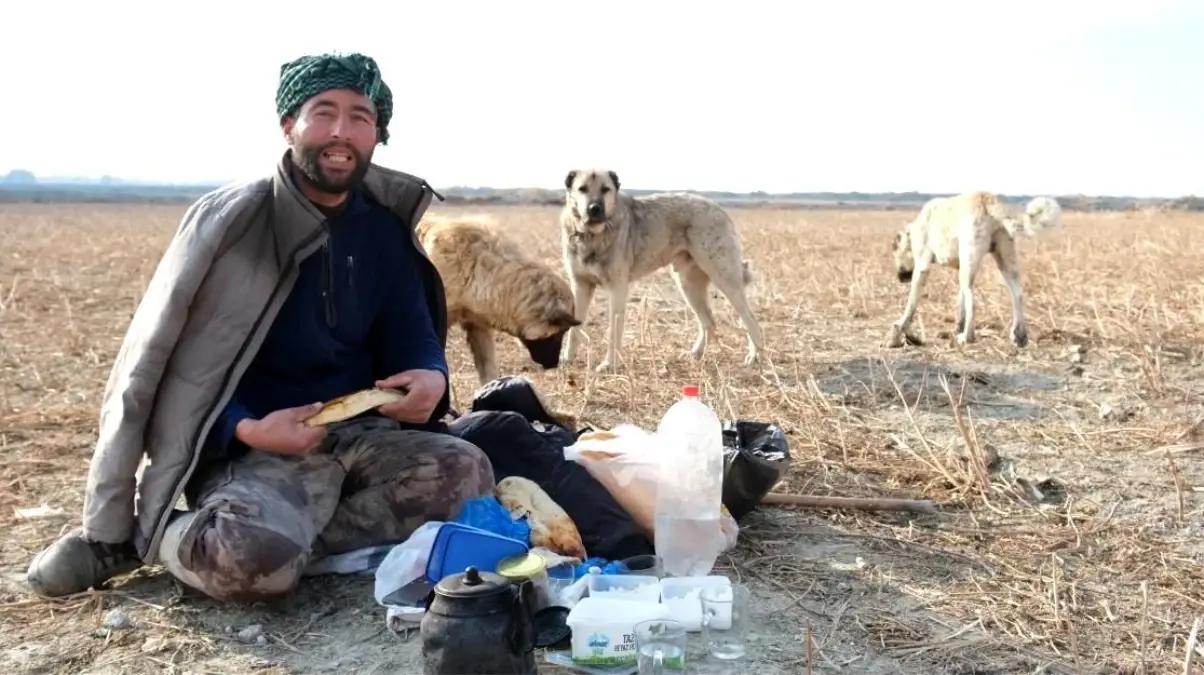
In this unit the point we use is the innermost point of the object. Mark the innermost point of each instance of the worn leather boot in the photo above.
(73, 565)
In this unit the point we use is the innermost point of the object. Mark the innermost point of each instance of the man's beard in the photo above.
(306, 159)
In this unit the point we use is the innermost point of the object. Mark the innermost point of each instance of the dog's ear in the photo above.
(562, 320)
(568, 180)
(614, 178)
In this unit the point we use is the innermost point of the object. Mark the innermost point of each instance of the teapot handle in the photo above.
(522, 626)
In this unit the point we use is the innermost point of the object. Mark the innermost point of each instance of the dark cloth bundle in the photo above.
(511, 425)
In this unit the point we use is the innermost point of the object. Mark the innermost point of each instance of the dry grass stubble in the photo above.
(1094, 570)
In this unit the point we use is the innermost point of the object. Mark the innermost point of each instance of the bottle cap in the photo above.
(690, 390)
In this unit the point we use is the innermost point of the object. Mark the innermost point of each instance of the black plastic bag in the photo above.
(755, 455)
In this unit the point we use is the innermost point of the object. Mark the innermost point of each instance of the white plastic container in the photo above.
(625, 587)
(604, 630)
(682, 596)
(689, 494)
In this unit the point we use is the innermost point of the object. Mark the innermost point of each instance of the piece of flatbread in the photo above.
(598, 436)
(348, 406)
(551, 527)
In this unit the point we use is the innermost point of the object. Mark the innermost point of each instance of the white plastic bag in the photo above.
(624, 460)
(406, 562)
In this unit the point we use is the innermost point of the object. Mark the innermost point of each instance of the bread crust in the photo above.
(551, 527)
(349, 405)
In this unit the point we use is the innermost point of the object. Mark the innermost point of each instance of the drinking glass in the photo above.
(725, 621)
(661, 644)
(646, 565)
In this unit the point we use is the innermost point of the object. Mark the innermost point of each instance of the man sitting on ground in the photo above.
(274, 296)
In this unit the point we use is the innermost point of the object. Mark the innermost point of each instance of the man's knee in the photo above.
(232, 558)
(461, 472)
(466, 469)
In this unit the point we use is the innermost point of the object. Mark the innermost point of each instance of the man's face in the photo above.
(332, 137)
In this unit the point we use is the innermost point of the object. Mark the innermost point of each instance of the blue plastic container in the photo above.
(458, 547)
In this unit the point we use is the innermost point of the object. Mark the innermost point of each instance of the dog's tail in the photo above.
(746, 272)
(1041, 215)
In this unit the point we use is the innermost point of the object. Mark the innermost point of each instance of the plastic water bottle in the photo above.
(689, 494)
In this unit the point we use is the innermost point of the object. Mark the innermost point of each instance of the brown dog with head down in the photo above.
(493, 285)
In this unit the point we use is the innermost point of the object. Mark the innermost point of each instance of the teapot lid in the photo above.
(472, 583)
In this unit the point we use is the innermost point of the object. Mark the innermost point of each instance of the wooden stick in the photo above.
(1191, 647)
(861, 503)
(808, 646)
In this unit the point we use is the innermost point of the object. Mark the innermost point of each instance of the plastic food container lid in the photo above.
(523, 566)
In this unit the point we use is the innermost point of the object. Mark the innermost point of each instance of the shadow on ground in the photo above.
(990, 392)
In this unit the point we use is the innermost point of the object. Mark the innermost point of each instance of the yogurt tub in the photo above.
(682, 596)
(604, 629)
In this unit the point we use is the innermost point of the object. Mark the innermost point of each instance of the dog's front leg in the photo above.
(618, 315)
(484, 352)
(901, 330)
(583, 296)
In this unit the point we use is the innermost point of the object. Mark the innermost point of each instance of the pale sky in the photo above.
(1052, 97)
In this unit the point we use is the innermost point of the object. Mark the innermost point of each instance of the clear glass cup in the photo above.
(725, 621)
(661, 644)
(646, 565)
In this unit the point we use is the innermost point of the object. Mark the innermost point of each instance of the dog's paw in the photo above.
(962, 339)
(1020, 335)
(751, 358)
(605, 367)
(897, 337)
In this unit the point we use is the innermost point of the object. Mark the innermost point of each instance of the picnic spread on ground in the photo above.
(597, 547)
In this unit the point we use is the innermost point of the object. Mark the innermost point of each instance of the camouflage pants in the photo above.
(257, 521)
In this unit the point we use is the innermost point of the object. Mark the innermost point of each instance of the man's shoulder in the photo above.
(235, 194)
(215, 210)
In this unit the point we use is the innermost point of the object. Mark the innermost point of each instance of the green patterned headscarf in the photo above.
(308, 76)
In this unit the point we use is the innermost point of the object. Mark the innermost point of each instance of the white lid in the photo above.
(609, 610)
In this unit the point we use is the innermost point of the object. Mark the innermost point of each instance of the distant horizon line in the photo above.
(118, 182)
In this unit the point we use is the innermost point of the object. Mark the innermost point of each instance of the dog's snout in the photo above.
(595, 210)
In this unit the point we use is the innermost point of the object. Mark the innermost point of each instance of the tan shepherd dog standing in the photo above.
(611, 239)
(493, 285)
(959, 232)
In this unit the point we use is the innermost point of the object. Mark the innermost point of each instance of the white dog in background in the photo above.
(959, 232)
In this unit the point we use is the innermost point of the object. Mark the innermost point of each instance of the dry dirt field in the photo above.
(1068, 475)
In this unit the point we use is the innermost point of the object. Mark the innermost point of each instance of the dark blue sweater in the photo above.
(356, 314)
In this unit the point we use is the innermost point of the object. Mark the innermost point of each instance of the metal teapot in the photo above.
(478, 623)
